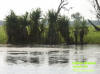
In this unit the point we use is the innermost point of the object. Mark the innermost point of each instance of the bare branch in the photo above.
(67, 8)
(97, 3)
(62, 4)
(97, 28)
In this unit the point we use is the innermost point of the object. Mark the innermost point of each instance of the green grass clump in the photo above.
(3, 36)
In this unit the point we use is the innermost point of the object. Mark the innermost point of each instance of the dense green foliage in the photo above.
(63, 24)
(33, 28)
(93, 37)
(16, 28)
(53, 33)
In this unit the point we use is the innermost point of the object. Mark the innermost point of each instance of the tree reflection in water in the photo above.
(36, 57)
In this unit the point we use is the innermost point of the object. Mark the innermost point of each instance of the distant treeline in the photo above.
(53, 28)
(1, 22)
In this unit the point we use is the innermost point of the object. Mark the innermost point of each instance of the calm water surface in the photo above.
(43, 60)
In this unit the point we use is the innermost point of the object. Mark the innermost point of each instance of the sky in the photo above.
(21, 6)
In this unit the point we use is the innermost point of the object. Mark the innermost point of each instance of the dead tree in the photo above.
(62, 5)
(96, 28)
(96, 6)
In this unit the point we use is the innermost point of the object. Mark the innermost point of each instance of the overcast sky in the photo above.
(21, 6)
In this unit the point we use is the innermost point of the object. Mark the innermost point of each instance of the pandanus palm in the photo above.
(35, 35)
(16, 28)
(12, 27)
(63, 23)
(53, 36)
(23, 23)
(83, 31)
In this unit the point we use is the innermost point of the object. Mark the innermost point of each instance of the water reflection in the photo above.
(37, 57)
(79, 54)
(58, 57)
(16, 59)
(49, 61)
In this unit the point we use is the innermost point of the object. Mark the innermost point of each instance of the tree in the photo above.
(80, 28)
(63, 23)
(11, 27)
(23, 22)
(16, 28)
(53, 36)
(30, 27)
(83, 30)
(43, 24)
(77, 23)
(96, 5)
(62, 5)
(35, 32)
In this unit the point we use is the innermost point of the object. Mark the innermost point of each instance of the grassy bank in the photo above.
(93, 37)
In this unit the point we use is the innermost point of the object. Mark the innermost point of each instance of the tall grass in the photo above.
(93, 37)
(3, 36)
